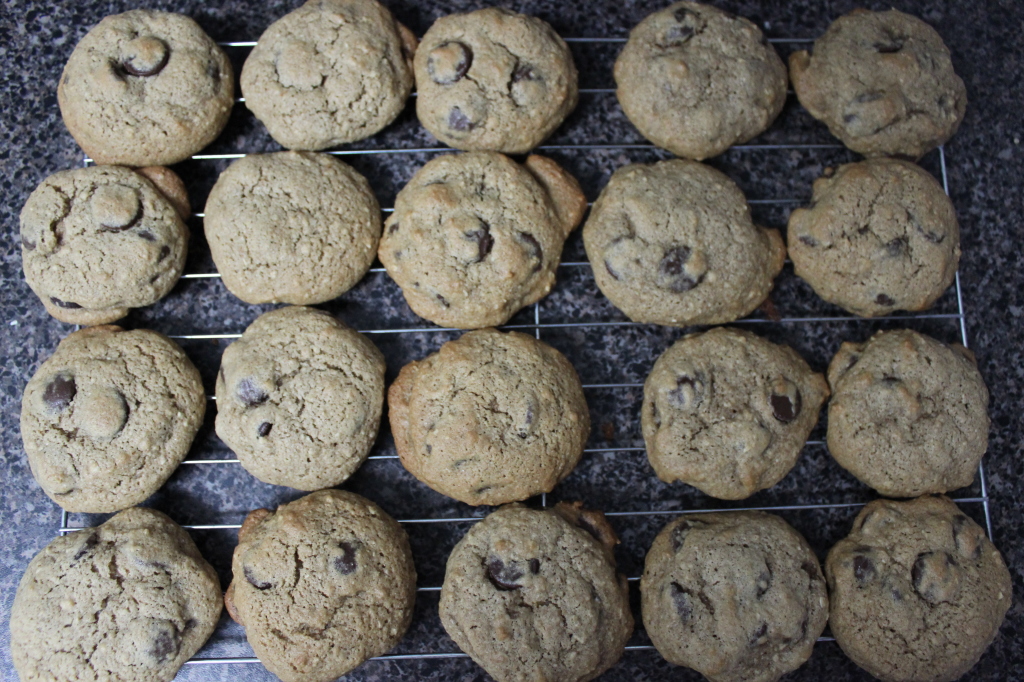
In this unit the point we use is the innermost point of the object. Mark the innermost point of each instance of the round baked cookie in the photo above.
(476, 237)
(492, 417)
(109, 416)
(737, 596)
(917, 591)
(880, 235)
(146, 88)
(729, 412)
(882, 82)
(533, 594)
(299, 398)
(673, 243)
(908, 415)
(98, 241)
(130, 600)
(493, 80)
(330, 72)
(291, 227)
(321, 585)
(696, 80)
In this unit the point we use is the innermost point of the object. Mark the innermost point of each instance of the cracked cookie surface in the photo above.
(729, 412)
(673, 243)
(493, 80)
(146, 88)
(299, 398)
(738, 596)
(475, 237)
(98, 241)
(321, 584)
(534, 594)
(908, 415)
(917, 590)
(109, 416)
(128, 601)
(880, 235)
(330, 72)
(490, 418)
(696, 80)
(883, 82)
(291, 227)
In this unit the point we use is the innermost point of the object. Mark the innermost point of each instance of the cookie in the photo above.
(490, 418)
(299, 398)
(729, 412)
(917, 591)
(493, 80)
(330, 72)
(882, 82)
(908, 415)
(696, 80)
(475, 237)
(109, 416)
(146, 88)
(98, 241)
(673, 243)
(879, 235)
(291, 227)
(737, 596)
(321, 585)
(131, 599)
(533, 594)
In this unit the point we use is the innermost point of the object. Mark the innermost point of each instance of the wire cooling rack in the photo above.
(945, 321)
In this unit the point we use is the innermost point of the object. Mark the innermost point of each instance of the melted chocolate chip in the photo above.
(672, 267)
(534, 248)
(863, 569)
(764, 582)
(968, 537)
(393, 228)
(811, 569)
(896, 247)
(67, 305)
(449, 63)
(264, 429)
(933, 237)
(90, 542)
(459, 121)
(346, 563)
(681, 600)
(147, 235)
(689, 391)
(165, 643)
(132, 69)
(254, 581)
(808, 240)
(106, 227)
(483, 239)
(59, 393)
(690, 24)
(443, 301)
(525, 72)
(165, 251)
(759, 633)
(28, 243)
(885, 300)
(249, 393)
(502, 575)
(786, 408)
(936, 577)
(584, 523)
(889, 46)
(683, 529)
(482, 490)
(611, 270)
(535, 566)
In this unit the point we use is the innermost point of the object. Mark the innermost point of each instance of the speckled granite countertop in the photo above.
(985, 164)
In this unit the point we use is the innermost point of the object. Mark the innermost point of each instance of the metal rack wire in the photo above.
(537, 327)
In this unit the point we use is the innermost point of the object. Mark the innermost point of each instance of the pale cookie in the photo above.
(291, 227)
(299, 398)
(729, 412)
(533, 594)
(673, 243)
(146, 88)
(490, 418)
(737, 596)
(321, 585)
(476, 237)
(917, 591)
(98, 241)
(696, 80)
(128, 601)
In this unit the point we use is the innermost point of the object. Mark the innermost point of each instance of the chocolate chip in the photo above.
(889, 46)
(690, 24)
(758, 634)
(459, 121)
(936, 577)
(896, 247)
(786, 408)
(611, 270)
(866, 97)
(91, 541)
(255, 582)
(28, 243)
(682, 529)
(393, 228)
(811, 569)
(59, 393)
(885, 300)
(482, 490)
(681, 600)
(689, 391)
(584, 523)
(483, 239)
(148, 56)
(535, 566)
(449, 63)
(165, 643)
(67, 305)
(863, 569)
(524, 432)
(808, 240)
(764, 582)
(933, 237)
(264, 429)
(443, 301)
(346, 563)
(147, 235)
(249, 393)
(118, 226)
(533, 246)
(525, 72)
(503, 576)
(968, 537)
(165, 251)
(672, 268)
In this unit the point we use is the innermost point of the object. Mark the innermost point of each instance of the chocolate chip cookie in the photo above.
(737, 596)
(728, 412)
(330, 72)
(98, 241)
(673, 243)
(533, 594)
(291, 227)
(493, 80)
(131, 599)
(321, 585)
(879, 235)
(146, 88)
(696, 80)
(475, 237)
(299, 398)
(917, 590)
(882, 82)
(109, 416)
(490, 418)
(908, 415)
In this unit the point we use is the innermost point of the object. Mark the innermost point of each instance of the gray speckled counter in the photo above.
(984, 163)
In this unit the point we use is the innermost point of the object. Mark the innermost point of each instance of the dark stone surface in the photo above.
(984, 162)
